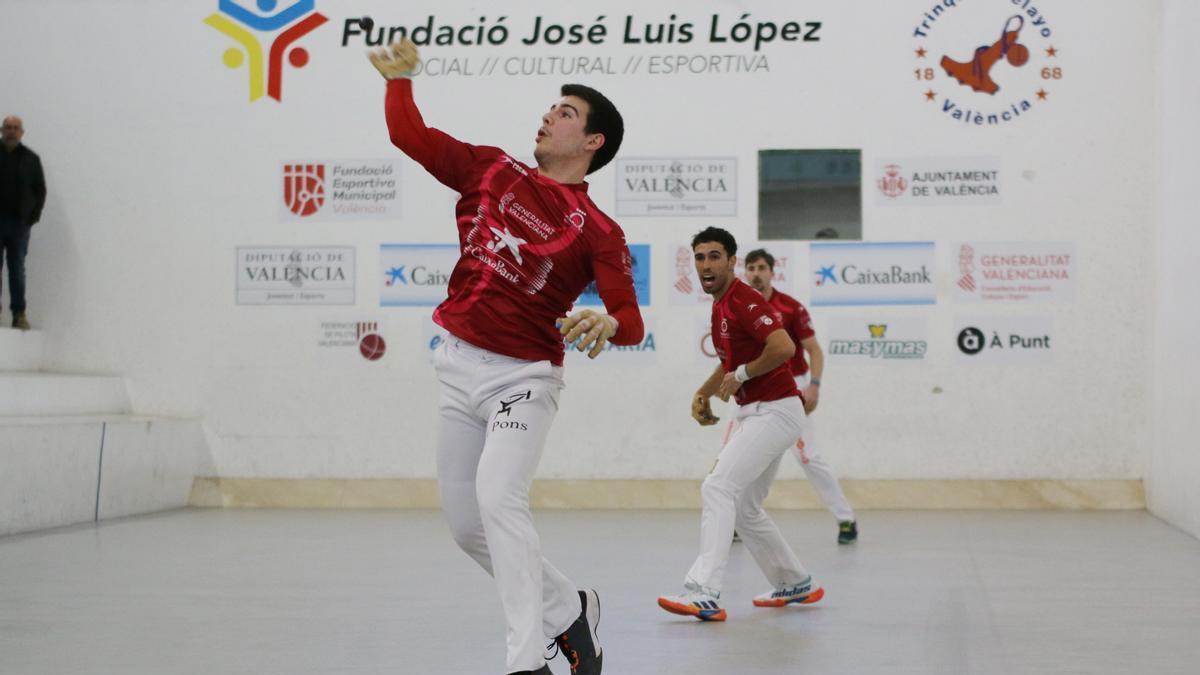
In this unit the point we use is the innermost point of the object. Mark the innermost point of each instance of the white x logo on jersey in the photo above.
(507, 240)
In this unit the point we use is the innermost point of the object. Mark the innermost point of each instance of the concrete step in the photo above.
(33, 394)
(21, 349)
(57, 471)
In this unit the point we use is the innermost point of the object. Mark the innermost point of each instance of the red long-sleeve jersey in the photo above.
(798, 323)
(530, 245)
(741, 321)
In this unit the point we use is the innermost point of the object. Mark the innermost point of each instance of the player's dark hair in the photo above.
(760, 254)
(716, 234)
(602, 118)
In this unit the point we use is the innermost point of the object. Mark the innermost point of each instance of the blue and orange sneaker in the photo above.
(696, 602)
(805, 593)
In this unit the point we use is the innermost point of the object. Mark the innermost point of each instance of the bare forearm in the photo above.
(778, 350)
(816, 357)
(713, 384)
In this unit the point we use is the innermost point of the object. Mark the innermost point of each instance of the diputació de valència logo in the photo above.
(251, 24)
(987, 62)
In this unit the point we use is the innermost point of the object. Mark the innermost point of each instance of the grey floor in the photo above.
(374, 592)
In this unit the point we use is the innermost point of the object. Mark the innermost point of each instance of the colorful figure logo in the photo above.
(304, 188)
(297, 19)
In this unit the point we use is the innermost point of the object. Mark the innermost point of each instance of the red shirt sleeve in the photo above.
(612, 265)
(448, 159)
(802, 326)
(756, 316)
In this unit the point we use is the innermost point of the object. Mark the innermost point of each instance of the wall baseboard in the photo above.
(417, 493)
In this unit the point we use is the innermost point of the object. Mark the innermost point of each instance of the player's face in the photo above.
(562, 132)
(758, 275)
(713, 266)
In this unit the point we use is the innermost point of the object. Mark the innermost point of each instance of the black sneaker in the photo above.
(847, 532)
(580, 644)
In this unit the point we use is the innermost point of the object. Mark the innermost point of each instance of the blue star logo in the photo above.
(396, 274)
(826, 274)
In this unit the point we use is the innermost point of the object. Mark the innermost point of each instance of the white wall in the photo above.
(1174, 472)
(159, 167)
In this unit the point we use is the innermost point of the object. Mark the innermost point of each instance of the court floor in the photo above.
(372, 592)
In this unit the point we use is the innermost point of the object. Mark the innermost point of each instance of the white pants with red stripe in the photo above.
(495, 412)
(820, 475)
(734, 492)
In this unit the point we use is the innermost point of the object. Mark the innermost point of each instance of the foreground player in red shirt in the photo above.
(760, 268)
(531, 241)
(754, 348)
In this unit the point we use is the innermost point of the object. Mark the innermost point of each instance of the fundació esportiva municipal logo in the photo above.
(304, 188)
(280, 24)
(985, 63)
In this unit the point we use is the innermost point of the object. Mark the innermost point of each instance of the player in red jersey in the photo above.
(531, 240)
(754, 348)
(760, 268)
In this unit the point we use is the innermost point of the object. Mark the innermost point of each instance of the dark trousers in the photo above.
(14, 244)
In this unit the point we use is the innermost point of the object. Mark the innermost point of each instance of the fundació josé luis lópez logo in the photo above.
(985, 63)
(282, 22)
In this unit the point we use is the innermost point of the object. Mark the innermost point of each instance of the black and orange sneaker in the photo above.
(580, 644)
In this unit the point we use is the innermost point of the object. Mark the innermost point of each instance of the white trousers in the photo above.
(495, 412)
(734, 492)
(820, 475)
(818, 471)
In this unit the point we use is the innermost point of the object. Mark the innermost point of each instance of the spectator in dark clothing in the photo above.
(22, 196)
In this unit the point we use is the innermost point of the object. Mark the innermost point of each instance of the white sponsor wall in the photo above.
(1174, 471)
(168, 158)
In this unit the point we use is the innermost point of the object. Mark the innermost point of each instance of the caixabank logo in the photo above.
(279, 24)
(987, 62)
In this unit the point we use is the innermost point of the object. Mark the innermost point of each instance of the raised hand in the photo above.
(397, 60)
